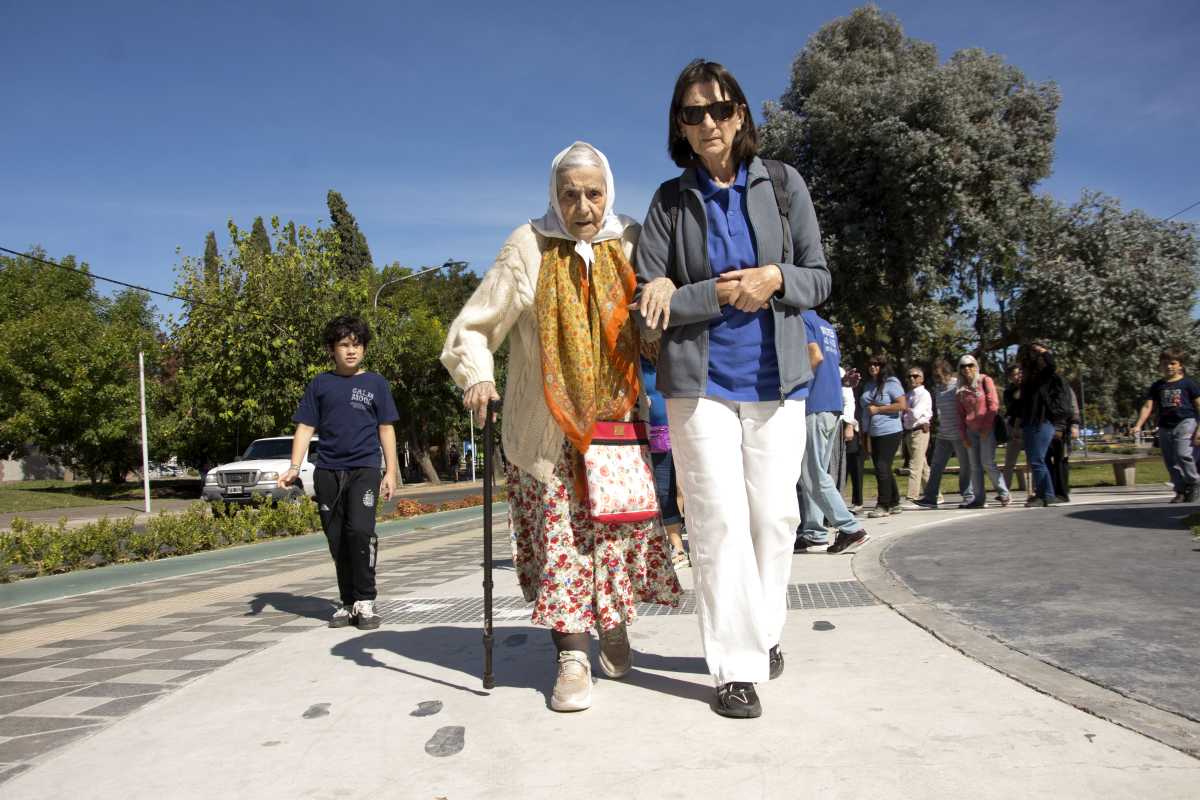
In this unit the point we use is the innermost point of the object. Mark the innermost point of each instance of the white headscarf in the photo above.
(611, 226)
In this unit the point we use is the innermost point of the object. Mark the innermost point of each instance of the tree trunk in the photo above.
(420, 452)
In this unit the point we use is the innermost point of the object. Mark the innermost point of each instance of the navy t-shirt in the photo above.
(347, 411)
(1175, 400)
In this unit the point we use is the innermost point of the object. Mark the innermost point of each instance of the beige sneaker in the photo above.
(573, 689)
(616, 659)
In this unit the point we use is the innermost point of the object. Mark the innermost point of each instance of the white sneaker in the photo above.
(364, 615)
(573, 688)
(341, 618)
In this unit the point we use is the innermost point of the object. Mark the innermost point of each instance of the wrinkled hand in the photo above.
(849, 433)
(655, 302)
(755, 285)
(477, 397)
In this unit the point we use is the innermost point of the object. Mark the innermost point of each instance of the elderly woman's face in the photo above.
(710, 138)
(582, 195)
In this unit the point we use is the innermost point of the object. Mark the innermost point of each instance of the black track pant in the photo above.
(347, 499)
(1059, 464)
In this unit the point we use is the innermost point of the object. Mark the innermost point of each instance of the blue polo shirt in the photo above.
(742, 365)
(347, 411)
(825, 390)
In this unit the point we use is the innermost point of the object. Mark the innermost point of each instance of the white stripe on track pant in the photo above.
(738, 464)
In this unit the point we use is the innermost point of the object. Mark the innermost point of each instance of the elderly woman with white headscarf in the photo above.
(560, 290)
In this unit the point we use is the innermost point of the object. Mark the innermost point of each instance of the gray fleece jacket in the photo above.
(683, 359)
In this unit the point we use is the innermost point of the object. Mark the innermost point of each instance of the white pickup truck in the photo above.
(254, 476)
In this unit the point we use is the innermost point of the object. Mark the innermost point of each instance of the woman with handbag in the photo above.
(560, 291)
(728, 260)
(978, 407)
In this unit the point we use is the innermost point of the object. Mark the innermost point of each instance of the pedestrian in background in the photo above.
(1058, 457)
(978, 405)
(1043, 408)
(1012, 450)
(847, 459)
(883, 402)
(917, 420)
(820, 500)
(1175, 399)
(947, 440)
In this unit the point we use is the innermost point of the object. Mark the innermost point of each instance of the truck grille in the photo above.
(237, 478)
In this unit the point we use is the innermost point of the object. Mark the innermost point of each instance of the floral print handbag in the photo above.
(620, 479)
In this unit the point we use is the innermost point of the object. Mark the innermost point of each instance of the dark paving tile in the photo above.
(9, 688)
(122, 706)
(109, 663)
(28, 747)
(12, 770)
(108, 673)
(17, 669)
(119, 689)
(15, 702)
(204, 666)
(23, 726)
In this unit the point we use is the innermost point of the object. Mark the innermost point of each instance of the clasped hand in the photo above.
(749, 289)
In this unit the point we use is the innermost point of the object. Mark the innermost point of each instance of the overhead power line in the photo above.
(1184, 211)
(189, 300)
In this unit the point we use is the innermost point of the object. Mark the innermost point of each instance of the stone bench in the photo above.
(1124, 468)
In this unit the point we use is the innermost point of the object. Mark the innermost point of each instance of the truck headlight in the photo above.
(210, 479)
(268, 477)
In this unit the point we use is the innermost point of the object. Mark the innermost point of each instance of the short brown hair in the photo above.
(745, 142)
(1173, 353)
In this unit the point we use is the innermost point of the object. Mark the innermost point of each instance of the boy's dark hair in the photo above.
(1173, 354)
(344, 326)
(745, 141)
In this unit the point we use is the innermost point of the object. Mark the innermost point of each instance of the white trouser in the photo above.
(738, 464)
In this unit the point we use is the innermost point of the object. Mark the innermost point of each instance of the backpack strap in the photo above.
(778, 177)
(672, 198)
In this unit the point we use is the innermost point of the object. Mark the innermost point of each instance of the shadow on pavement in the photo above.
(298, 605)
(1156, 517)
(516, 665)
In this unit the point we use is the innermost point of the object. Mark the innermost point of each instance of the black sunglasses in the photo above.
(719, 111)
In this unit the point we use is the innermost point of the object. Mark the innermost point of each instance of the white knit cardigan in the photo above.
(502, 305)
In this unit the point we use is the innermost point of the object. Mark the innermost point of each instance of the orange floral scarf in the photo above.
(589, 344)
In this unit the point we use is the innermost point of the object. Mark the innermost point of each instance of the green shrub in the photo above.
(39, 549)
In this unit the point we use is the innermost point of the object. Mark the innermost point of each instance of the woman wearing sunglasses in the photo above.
(725, 276)
(560, 292)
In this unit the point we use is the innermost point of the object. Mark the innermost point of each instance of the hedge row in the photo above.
(30, 549)
(411, 508)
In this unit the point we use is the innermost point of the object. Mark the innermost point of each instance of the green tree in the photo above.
(260, 243)
(354, 255)
(900, 153)
(212, 259)
(1108, 289)
(69, 369)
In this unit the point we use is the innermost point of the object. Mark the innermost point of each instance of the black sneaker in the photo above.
(738, 700)
(1189, 494)
(846, 542)
(1178, 498)
(805, 546)
(925, 504)
(775, 662)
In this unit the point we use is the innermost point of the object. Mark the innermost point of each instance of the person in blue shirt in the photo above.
(354, 412)
(1176, 399)
(819, 496)
(883, 401)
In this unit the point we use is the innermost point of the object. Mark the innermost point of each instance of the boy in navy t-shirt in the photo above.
(1176, 398)
(353, 412)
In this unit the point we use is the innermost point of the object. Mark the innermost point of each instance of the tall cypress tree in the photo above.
(289, 233)
(259, 241)
(355, 255)
(212, 260)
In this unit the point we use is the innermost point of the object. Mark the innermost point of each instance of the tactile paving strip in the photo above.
(449, 610)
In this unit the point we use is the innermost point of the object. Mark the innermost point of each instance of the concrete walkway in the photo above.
(227, 684)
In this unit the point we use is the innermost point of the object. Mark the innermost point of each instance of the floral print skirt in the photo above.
(582, 574)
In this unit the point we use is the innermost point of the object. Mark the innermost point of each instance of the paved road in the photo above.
(1107, 592)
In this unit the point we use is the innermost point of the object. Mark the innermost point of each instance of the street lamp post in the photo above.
(425, 271)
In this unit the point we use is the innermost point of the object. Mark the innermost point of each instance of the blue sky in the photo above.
(132, 129)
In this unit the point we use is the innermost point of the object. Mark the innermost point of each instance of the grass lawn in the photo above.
(21, 496)
(1151, 474)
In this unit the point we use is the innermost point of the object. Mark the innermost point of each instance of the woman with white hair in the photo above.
(978, 404)
(560, 291)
